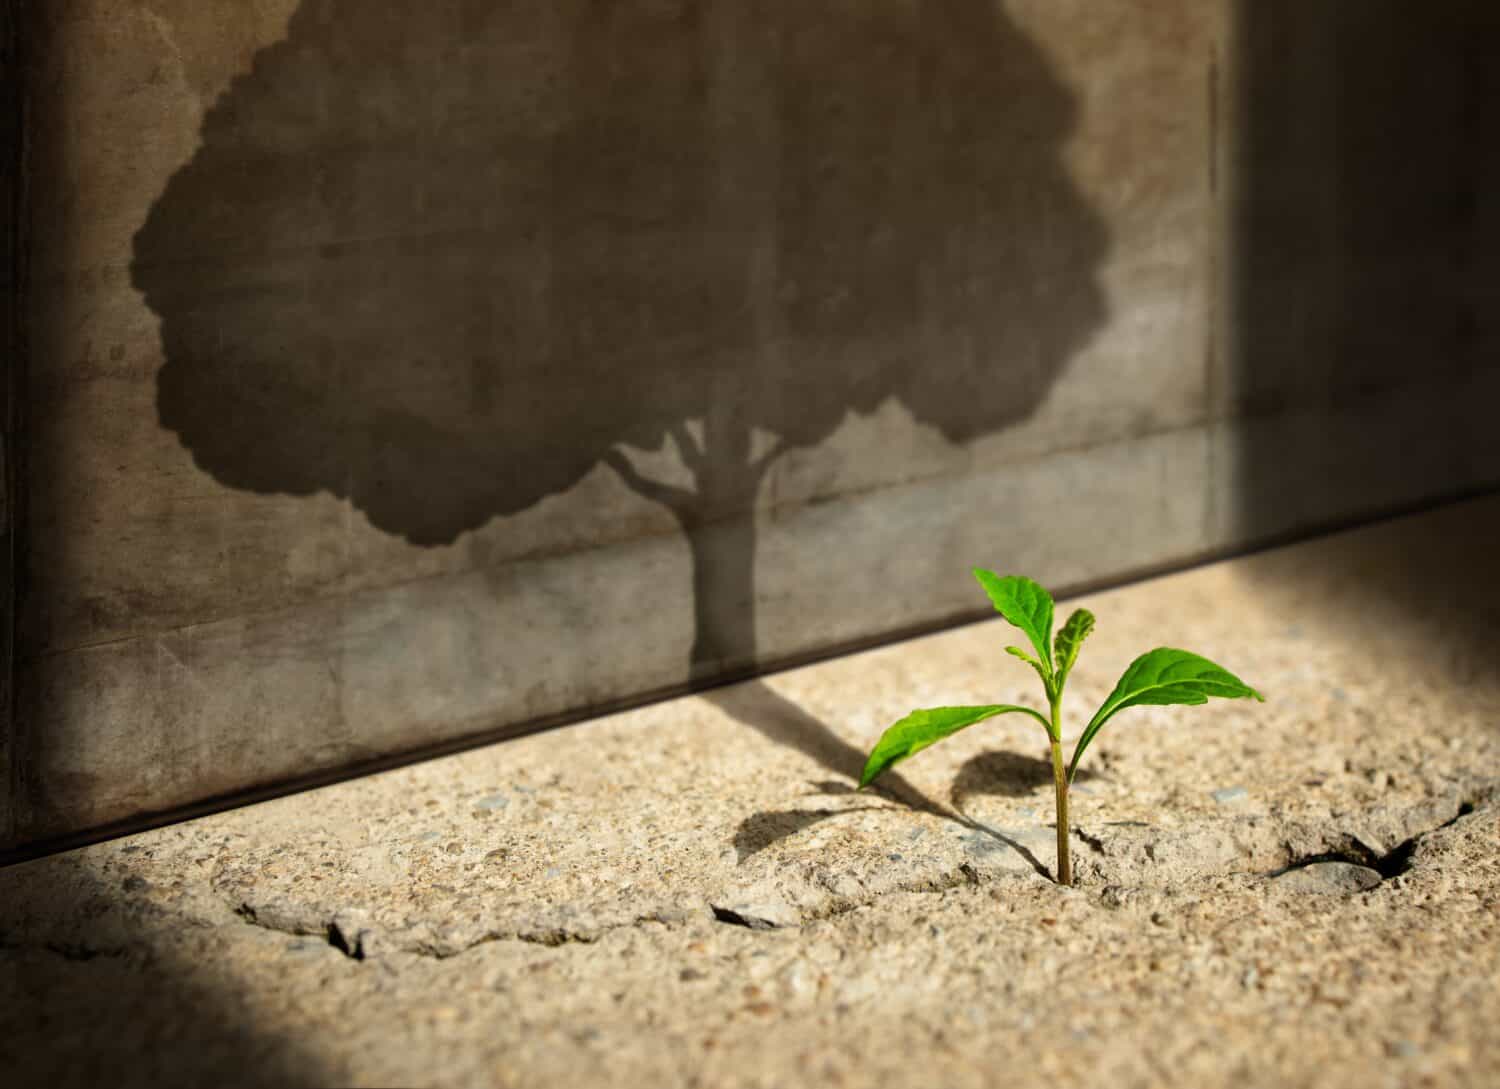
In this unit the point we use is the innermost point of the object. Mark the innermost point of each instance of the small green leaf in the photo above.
(1021, 654)
(922, 728)
(1164, 676)
(1026, 605)
(1041, 670)
(1069, 639)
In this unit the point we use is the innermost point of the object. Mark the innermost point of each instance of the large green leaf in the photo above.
(922, 728)
(1070, 638)
(1026, 605)
(1164, 676)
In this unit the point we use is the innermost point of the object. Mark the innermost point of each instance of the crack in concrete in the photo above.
(966, 876)
(741, 918)
(363, 942)
(1094, 843)
(73, 951)
(360, 944)
(1388, 864)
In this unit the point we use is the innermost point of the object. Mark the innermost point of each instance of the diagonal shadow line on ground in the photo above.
(757, 705)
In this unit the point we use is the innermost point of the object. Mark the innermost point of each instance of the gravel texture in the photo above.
(1301, 892)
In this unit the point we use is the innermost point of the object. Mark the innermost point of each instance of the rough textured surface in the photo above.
(1298, 893)
(343, 317)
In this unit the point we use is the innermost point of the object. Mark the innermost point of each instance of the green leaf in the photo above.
(1021, 654)
(1026, 605)
(922, 728)
(1033, 663)
(1069, 640)
(1164, 676)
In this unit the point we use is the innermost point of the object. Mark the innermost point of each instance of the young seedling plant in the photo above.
(1160, 676)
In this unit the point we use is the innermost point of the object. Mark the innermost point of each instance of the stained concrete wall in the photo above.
(403, 373)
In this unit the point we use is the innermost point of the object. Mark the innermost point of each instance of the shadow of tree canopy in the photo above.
(442, 258)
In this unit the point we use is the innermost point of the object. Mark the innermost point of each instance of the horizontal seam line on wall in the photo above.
(771, 511)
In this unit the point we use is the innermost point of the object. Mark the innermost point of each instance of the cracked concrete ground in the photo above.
(1297, 893)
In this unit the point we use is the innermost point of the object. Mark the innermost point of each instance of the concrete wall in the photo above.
(400, 372)
(11, 155)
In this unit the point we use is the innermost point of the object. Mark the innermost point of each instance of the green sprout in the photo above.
(1160, 676)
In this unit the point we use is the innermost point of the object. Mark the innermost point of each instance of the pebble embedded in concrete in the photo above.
(1330, 877)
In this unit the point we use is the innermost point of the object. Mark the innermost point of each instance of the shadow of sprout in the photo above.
(773, 716)
(757, 705)
(761, 830)
(1006, 774)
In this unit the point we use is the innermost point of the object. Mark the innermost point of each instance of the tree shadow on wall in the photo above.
(443, 257)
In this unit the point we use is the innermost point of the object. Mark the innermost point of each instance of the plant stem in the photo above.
(1060, 777)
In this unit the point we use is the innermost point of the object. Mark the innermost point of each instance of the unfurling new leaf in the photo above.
(1069, 639)
(1164, 676)
(922, 728)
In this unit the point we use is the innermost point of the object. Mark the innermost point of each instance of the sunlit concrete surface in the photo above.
(691, 894)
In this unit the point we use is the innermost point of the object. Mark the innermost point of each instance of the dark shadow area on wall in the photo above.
(12, 248)
(1365, 285)
(100, 987)
(442, 258)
